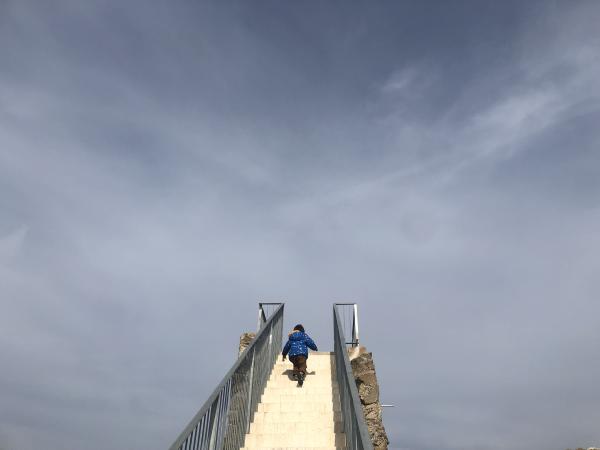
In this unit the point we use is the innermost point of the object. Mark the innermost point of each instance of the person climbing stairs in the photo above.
(291, 418)
(297, 346)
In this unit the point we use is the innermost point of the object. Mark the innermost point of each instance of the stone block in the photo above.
(365, 376)
(369, 393)
(245, 340)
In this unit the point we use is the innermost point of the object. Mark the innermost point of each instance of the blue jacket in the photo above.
(298, 344)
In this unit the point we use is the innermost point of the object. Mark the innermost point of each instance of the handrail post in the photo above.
(249, 408)
(355, 427)
(355, 326)
(213, 425)
(261, 316)
(270, 340)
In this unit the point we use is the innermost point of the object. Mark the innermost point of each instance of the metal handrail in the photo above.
(353, 328)
(224, 419)
(266, 310)
(355, 427)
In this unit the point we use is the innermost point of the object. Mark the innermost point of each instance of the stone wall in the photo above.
(245, 340)
(363, 370)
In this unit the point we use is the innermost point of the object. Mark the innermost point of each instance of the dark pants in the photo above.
(299, 362)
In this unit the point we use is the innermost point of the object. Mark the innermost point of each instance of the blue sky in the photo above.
(165, 166)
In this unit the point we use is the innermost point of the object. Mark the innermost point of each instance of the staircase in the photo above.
(257, 405)
(290, 417)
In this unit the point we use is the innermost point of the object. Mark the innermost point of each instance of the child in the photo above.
(297, 346)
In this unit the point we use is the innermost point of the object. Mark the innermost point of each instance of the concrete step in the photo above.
(296, 439)
(311, 357)
(321, 373)
(307, 400)
(326, 379)
(316, 382)
(327, 388)
(314, 362)
(309, 375)
(306, 391)
(311, 365)
(288, 365)
(286, 383)
(295, 397)
(309, 369)
(315, 426)
(310, 362)
(290, 416)
(323, 379)
(297, 394)
(293, 448)
(310, 385)
(297, 407)
(316, 356)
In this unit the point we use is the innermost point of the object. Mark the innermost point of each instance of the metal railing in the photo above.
(224, 419)
(266, 310)
(348, 313)
(355, 427)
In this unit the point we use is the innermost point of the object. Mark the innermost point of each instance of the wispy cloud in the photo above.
(11, 243)
(162, 167)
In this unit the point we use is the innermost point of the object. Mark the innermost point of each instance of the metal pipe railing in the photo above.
(349, 321)
(265, 310)
(224, 419)
(355, 427)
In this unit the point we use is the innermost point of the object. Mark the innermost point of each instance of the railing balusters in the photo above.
(355, 428)
(194, 438)
(224, 418)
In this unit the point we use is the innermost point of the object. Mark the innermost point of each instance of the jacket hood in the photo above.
(298, 344)
(297, 336)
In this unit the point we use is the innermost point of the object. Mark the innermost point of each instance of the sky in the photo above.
(165, 166)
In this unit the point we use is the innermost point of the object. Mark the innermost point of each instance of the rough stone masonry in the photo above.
(363, 370)
(245, 340)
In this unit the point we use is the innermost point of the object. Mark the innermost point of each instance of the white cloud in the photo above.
(11, 244)
(148, 221)
(401, 81)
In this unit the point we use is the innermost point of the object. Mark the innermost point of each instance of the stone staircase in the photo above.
(289, 417)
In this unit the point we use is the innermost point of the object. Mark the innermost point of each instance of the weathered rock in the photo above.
(363, 370)
(369, 393)
(378, 436)
(368, 378)
(372, 412)
(354, 352)
(362, 364)
(245, 340)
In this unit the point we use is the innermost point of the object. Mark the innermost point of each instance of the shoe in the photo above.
(300, 379)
